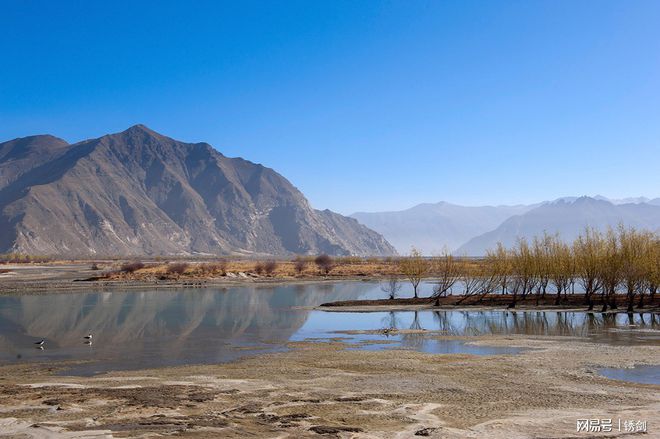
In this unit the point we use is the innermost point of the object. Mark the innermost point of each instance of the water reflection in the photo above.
(609, 328)
(145, 329)
(158, 328)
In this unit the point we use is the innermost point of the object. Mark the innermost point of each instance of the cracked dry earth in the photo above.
(325, 390)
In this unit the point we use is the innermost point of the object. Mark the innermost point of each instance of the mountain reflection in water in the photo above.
(135, 330)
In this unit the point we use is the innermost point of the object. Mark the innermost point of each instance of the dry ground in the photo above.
(325, 390)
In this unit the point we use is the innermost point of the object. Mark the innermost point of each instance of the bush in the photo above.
(258, 268)
(214, 267)
(130, 267)
(324, 262)
(177, 268)
(269, 267)
(299, 265)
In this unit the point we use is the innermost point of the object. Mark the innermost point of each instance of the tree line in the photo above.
(604, 265)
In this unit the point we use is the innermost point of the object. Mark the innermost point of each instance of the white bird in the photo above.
(88, 337)
(39, 343)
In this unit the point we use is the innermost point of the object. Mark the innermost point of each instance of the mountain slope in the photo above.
(568, 218)
(138, 192)
(430, 227)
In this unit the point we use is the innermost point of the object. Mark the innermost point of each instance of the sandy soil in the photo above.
(325, 390)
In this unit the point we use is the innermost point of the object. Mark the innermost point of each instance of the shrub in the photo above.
(214, 267)
(258, 268)
(269, 267)
(324, 262)
(299, 265)
(130, 267)
(177, 268)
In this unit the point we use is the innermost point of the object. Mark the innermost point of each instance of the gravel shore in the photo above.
(323, 389)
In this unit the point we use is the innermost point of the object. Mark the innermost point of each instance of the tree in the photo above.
(610, 269)
(523, 269)
(177, 268)
(501, 262)
(447, 271)
(652, 268)
(588, 250)
(560, 266)
(391, 287)
(299, 265)
(414, 268)
(269, 267)
(471, 278)
(634, 247)
(325, 263)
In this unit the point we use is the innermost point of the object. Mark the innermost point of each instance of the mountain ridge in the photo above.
(140, 192)
(430, 227)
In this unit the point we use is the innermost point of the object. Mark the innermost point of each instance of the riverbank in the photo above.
(80, 277)
(547, 302)
(320, 389)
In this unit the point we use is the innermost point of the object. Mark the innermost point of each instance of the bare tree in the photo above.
(269, 267)
(299, 264)
(414, 267)
(610, 269)
(177, 268)
(634, 247)
(588, 250)
(325, 263)
(391, 287)
(447, 271)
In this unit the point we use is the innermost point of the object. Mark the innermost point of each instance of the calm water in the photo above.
(638, 374)
(171, 327)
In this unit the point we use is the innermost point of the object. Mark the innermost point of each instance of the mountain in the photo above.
(431, 227)
(141, 193)
(568, 218)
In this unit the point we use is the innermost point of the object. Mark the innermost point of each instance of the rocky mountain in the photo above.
(430, 227)
(141, 193)
(568, 218)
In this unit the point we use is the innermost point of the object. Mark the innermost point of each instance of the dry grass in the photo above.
(282, 269)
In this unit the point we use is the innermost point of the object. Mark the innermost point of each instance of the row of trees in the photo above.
(602, 264)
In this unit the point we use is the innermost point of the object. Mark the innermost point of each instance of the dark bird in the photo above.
(40, 342)
(88, 337)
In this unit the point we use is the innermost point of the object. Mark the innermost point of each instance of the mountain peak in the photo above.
(138, 192)
(140, 129)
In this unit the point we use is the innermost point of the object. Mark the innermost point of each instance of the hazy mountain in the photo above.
(430, 227)
(138, 192)
(634, 200)
(568, 218)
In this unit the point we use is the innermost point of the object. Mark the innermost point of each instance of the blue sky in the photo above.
(363, 105)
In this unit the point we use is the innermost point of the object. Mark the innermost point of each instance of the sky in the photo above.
(362, 105)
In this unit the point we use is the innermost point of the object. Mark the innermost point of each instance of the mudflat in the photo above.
(325, 389)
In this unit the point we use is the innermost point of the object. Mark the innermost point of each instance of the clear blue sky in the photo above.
(363, 105)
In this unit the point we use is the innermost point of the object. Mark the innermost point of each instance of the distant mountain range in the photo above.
(141, 193)
(473, 230)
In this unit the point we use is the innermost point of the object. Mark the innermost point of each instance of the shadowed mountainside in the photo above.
(141, 193)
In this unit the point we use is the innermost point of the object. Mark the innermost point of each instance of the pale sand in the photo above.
(322, 388)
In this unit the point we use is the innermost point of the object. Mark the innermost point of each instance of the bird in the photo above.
(40, 342)
(88, 337)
